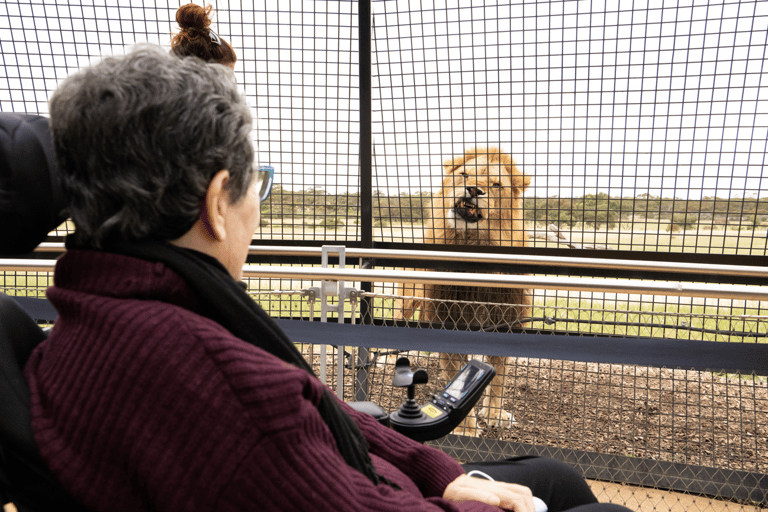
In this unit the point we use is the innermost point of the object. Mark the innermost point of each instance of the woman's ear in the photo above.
(214, 210)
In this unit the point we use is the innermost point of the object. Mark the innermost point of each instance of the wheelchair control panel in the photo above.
(445, 409)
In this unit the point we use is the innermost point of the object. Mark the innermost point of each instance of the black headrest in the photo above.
(31, 199)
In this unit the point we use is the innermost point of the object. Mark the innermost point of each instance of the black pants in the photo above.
(556, 483)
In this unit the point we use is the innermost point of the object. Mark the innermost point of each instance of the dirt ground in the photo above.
(689, 417)
(672, 415)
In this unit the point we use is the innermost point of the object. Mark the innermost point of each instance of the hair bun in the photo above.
(196, 37)
(193, 16)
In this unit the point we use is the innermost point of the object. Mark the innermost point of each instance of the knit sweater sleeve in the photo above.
(296, 465)
(301, 470)
(429, 468)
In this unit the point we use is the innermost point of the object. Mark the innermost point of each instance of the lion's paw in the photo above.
(501, 418)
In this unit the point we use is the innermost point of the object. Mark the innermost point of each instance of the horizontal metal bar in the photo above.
(50, 247)
(543, 261)
(677, 289)
(25, 265)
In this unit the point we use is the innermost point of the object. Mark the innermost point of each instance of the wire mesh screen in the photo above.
(642, 126)
(307, 92)
(25, 284)
(663, 414)
(297, 68)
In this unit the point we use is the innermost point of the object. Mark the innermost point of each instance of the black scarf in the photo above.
(222, 300)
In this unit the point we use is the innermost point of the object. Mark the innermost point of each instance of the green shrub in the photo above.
(331, 223)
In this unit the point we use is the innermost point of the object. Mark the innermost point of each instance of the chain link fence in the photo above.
(694, 434)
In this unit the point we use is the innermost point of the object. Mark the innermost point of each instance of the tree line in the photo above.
(592, 210)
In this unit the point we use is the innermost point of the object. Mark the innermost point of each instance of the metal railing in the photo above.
(540, 282)
(682, 268)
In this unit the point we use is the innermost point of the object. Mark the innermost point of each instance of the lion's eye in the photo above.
(464, 174)
(496, 185)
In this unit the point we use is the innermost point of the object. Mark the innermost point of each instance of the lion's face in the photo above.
(482, 191)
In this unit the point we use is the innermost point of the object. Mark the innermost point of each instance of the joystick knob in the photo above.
(406, 378)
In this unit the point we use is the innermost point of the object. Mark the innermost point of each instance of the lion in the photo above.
(479, 204)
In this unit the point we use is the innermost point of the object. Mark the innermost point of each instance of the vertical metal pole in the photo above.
(366, 128)
(366, 173)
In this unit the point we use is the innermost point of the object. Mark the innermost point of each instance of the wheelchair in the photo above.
(31, 205)
(27, 163)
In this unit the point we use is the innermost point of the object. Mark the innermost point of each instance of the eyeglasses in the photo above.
(264, 177)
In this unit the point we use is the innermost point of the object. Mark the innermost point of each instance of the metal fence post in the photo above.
(366, 179)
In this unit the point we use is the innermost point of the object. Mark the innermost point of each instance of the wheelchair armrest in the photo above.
(372, 409)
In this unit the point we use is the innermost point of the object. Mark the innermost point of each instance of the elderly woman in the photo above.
(163, 386)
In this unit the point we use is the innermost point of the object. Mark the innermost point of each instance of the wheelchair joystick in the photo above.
(405, 378)
(444, 410)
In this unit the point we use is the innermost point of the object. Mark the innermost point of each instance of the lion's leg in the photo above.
(450, 364)
(493, 404)
(407, 305)
(524, 311)
(494, 398)
(405, 308)
(408, 301)
(468, 427)
(428, 311)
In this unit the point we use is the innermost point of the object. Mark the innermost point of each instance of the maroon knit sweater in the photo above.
(139, 403)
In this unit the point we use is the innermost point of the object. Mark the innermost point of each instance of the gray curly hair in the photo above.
(139, 138)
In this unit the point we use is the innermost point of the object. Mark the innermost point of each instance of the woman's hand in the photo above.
(517, 498)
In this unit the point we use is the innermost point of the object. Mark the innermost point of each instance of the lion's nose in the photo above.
(475, 191)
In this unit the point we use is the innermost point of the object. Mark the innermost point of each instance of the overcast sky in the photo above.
(666, 98)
